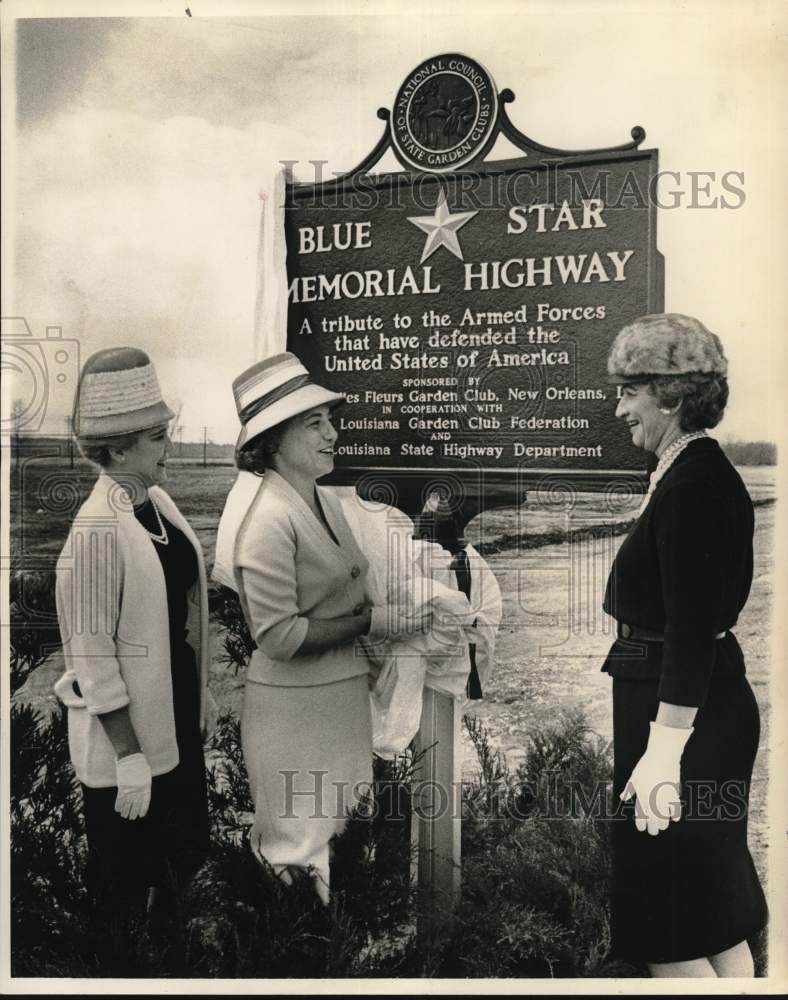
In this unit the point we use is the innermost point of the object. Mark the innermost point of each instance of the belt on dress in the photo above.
(649, 635)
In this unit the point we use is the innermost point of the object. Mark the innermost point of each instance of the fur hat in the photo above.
(118, 393)
(664, 344)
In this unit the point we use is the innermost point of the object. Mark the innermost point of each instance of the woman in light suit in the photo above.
(301, 579)
(133, 613)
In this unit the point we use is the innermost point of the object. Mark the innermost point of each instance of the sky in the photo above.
(143, 143)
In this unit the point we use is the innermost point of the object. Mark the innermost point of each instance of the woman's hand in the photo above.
(134, 786)
(656, 780)
(133, 776)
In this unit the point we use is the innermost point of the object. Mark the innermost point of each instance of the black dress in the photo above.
(684, 571)
(125, 857)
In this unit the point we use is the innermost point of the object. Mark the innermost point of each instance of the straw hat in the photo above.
(275, 390)
(118, 393)
(664, 344)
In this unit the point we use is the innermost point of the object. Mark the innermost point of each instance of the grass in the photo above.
(46, 494)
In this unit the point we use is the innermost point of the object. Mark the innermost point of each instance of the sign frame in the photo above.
(475, 486)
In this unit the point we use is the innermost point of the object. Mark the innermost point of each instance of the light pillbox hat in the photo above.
(118, 393)
(275, 390)
(664, 344)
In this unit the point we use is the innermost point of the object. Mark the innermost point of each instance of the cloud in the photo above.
(228, 71)
(53, 58)
(145, 232)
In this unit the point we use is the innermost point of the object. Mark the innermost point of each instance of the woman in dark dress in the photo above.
(133, 613)
(686, 896)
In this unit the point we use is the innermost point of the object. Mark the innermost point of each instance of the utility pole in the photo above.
(17, 421)
(70, 437)
(204, 447)
(176, 430)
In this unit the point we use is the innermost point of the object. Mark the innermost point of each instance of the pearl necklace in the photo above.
(161, 537)
(668, 457)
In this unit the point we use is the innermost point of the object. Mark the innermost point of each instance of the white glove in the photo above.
(656, 780)
(134, 785)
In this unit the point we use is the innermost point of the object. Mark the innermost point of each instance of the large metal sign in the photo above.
(467, 307)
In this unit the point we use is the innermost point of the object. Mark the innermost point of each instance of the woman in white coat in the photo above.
(133, 613)
(301, 578)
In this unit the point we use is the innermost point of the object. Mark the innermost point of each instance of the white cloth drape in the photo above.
(270, 314)
(269, 337)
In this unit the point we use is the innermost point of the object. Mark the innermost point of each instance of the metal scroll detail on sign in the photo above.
(466, 306)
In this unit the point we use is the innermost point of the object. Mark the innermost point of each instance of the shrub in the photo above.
(535, 864)
(534, 886)
(47, 848)
(33, 632)
(237, 640)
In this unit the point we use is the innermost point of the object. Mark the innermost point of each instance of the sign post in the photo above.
(436, 823)
(466, 306)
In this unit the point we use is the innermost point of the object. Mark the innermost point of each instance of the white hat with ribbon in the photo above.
(274, 390)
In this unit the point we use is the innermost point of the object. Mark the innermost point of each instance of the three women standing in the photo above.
(132, 604)
(686, 898)
(133, 612)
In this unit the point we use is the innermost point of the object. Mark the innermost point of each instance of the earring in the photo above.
(665, 409)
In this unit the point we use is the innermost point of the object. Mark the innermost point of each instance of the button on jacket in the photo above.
(288, 569)
(684, 570)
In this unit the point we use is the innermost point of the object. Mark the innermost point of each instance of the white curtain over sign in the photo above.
(270, 312)
(269, 337)
(238, 502)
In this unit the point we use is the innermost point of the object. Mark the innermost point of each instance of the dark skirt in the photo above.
(170, 843)
(692, 891)
(165, 847)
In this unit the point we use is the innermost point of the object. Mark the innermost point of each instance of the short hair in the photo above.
(257, 455)
(702, 397)
(98, 452)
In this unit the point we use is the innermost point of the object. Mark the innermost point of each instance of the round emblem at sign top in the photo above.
(444, 114)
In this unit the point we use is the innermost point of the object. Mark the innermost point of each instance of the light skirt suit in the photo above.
(306, 727)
